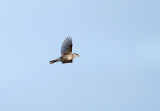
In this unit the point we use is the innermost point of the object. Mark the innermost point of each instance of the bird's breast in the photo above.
(67, 57)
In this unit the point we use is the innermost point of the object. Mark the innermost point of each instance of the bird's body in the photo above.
(67, 57)
(66, 52)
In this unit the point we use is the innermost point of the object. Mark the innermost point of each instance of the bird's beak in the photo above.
(79, 56)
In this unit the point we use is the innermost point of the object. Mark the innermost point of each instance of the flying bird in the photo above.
(66, 52)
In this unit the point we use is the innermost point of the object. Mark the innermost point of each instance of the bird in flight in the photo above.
(66, 52)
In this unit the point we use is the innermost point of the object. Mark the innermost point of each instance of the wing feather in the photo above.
(67, 46)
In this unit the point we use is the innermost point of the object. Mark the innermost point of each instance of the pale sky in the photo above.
(119, 44)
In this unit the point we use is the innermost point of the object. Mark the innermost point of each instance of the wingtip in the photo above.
(69, 37)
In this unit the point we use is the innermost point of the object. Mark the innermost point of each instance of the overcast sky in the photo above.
(119, 44)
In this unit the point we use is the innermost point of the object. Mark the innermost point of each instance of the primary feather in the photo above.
(66, 46)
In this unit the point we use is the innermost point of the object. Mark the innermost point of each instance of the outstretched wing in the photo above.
(66, 46)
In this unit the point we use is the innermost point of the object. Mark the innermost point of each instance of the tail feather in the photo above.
(53, 61)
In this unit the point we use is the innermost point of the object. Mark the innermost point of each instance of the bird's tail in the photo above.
(53, 61)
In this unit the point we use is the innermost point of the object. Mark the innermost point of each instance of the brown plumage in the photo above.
(66, 52)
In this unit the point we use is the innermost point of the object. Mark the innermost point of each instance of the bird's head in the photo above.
(75, 55)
